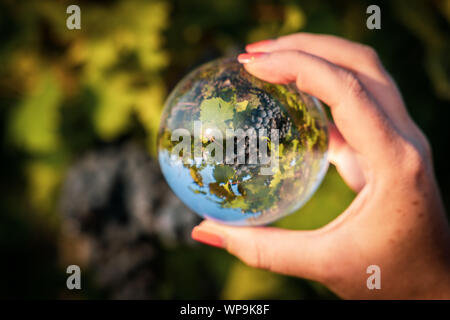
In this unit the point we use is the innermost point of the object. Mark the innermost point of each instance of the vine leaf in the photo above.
(198, 179)
(216, 111)
(223, 174)
(241, 106)
(239, 203)
(220, 191)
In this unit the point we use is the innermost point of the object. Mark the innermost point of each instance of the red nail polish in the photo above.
(207, 237)
(250, 57)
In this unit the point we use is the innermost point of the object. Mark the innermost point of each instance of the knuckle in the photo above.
(262, 258)
(413, 160)
(353, 85)
(253, 256)
(426, 146)
(370, 55)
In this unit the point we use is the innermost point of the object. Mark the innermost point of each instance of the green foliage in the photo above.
(216, 111)
(34, 122)
(241, 106)
(223, 173)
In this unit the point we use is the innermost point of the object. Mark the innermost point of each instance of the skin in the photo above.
(397, 220)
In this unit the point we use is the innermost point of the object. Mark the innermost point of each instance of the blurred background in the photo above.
(79, 110)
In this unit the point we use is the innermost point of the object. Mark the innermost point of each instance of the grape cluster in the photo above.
(266, 116)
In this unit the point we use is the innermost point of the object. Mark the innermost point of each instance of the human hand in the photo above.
(397, 221)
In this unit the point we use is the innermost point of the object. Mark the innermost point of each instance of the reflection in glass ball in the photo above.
(239, 150)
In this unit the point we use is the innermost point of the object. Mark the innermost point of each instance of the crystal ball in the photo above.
(239, 150)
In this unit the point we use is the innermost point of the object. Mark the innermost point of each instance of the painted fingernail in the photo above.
(208, 237)
(260, 44)
(250, 57)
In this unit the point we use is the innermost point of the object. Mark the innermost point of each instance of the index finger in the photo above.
(363, 124)
(356, 57)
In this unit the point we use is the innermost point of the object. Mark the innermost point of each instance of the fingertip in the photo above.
(209, 236)
(245, 58)
(269, 66)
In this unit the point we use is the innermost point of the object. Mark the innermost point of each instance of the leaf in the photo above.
(227, 186)
(241, 106)
(256, 187)
(35, 121)
(295, 143)
(276, 179)
(223, 173)
(221, 192)
(216, 111)
(239, 203)
(198, 179)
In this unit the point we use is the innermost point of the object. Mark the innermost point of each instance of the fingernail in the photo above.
(260, 44)
(250, 57)
(208, 237)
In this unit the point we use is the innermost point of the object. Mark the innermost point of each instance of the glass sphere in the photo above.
(239, 150)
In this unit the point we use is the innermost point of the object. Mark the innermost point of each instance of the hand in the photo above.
(397, 221)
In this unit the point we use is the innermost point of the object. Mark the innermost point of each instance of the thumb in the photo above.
(290, 252)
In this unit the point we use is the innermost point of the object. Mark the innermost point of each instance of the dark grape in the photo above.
(266, 116)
